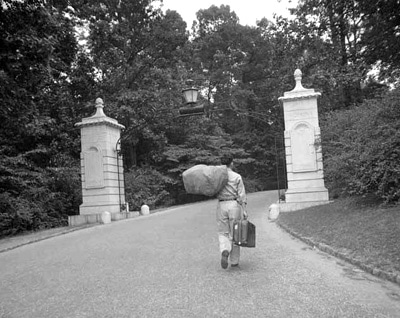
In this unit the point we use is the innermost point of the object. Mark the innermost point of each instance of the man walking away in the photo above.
(231, 202)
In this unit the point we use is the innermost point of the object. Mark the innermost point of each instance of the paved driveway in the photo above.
(168, 265)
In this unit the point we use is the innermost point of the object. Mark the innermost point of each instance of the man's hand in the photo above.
(245, 215)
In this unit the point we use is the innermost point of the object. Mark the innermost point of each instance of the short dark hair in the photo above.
(226, 159)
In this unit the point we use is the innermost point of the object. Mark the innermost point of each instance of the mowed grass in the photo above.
(363, 232)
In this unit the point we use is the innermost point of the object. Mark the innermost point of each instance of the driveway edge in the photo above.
(38, 236)
(44, 237)
(394, 278)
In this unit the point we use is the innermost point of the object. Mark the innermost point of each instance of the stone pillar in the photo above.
(101, 167)
(303, 154)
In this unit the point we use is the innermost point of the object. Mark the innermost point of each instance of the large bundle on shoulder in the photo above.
(205, 180)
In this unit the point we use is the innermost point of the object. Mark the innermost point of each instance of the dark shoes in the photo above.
(235, 265)
(224, 259)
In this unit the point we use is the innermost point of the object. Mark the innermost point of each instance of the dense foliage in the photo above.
(362, 148)
(39, 147)
(56, 57)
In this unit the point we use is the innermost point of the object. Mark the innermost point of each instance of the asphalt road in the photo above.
(168, 265)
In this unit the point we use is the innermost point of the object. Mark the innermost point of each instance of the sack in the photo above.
(244, 233)
(205, 180)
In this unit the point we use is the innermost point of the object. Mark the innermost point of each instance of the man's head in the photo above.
(227, 160)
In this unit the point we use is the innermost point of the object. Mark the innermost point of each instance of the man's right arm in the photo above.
(242, 199)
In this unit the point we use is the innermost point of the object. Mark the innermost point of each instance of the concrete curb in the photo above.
(45, 237)
(395, 278)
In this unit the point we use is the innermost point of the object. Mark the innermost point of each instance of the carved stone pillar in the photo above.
(303, 153)
(101, 167)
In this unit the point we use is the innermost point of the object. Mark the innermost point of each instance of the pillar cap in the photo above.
(299, 92)
(99, 118)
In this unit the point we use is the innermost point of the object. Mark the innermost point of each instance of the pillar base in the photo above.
(295, 206)
(100, 207)
(77, 220)
(311, 194)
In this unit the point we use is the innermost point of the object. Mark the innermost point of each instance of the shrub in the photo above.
(361, 148)
(145, 185)
(34, 198)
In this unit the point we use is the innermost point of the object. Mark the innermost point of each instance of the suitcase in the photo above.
(244, 233)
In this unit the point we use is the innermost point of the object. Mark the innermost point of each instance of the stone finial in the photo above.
(99, 118)
(298, 77)
(99, 108)
(299, 91)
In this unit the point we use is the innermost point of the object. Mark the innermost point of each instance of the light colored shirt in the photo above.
(234, 188)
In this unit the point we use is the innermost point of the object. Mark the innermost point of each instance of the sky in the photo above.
(248, 11)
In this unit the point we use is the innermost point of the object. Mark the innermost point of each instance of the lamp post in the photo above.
(190, 95)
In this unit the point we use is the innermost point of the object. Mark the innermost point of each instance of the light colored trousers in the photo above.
(227, 212)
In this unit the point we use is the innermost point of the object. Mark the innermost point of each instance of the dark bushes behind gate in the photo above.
(361, 149)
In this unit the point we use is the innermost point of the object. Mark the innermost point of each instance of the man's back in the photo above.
(234, 188)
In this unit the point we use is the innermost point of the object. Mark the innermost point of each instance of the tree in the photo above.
(37, 48)
(339, 24)
(234, 63)
(220, 50)
(136, 50)
(380, 41)
(38, 142)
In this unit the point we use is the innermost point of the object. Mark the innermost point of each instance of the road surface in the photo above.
(168, 265)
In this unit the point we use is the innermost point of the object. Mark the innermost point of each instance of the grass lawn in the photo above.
(363, 232)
